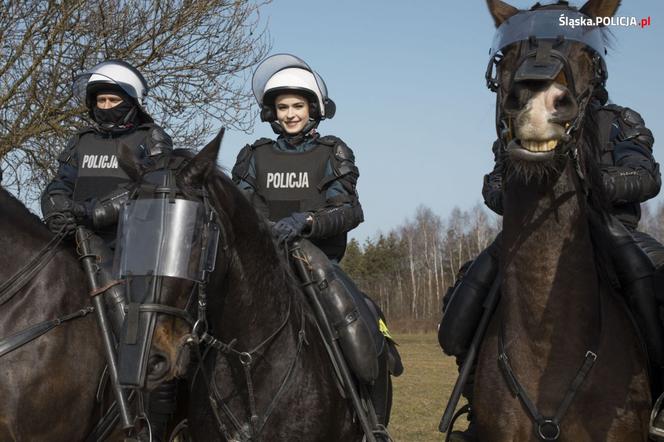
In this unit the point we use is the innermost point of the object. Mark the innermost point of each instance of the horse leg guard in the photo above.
(466, 303)
(161, 408)
(336, 296)
(635, 274)
(114, 296)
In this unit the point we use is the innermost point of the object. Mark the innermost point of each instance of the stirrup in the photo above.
(380, 433)
(656, 425)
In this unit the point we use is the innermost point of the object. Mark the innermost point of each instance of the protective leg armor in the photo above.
(344, 312)
(114, 297)
(465, 306)
(635, 273)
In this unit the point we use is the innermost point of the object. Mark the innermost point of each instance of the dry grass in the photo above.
(421, 393)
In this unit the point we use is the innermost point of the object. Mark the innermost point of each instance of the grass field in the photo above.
(421, 393)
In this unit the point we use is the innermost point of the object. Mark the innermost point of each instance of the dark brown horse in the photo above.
(556, 310)
(264, 373)
(48, 385)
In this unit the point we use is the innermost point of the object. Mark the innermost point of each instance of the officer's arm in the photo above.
(158, 141)
(57, 195)
(244, 177)
(635, 176)
(343, 211)
(492, 189)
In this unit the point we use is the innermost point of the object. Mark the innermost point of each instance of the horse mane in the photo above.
(17, 213)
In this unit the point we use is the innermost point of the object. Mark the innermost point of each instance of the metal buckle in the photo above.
(592, 355)
(548, 429)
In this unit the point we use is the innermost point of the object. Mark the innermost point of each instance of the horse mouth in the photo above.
(539, 146)
(532, 150)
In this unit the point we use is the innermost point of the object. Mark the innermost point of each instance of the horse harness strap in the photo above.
(21, 338)
(246, 360)
(10, 287)
(548, 428)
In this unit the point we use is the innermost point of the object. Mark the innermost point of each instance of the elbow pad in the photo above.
(334, 221)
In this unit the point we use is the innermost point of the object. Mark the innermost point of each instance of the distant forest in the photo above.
(408, 269)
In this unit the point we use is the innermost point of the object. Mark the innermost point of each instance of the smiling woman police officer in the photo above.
(303, 182)
(88, 187)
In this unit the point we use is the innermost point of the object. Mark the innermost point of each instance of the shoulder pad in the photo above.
(341, 151)
(261, 142)
(157, 140)
(611, 108)
(632, 117)
(240, 170)
(244, 153)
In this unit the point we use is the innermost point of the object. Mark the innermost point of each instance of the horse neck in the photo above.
(550, 289)
(256, 289)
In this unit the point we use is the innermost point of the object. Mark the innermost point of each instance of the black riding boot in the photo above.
(380, 391)
(635, 273)
(161, 407)
(114, 295)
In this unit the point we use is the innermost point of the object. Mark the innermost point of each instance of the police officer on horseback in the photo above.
(91, 186)
(305, 185)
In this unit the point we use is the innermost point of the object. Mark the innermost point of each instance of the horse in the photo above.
(262, 371)
(570, 362)
(49, 382)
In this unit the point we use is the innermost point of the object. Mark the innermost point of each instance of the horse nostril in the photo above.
(565, 107)
(158, 365)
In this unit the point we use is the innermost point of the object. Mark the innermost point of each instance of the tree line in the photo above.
(408, 269)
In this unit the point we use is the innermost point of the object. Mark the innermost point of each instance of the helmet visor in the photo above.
(549, 24)
(276, 63)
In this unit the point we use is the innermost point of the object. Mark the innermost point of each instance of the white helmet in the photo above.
(285, 72)
(112, 72)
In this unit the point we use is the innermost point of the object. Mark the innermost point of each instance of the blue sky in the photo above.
(408, 82)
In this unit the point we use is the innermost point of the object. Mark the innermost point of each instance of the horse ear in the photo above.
(600, 8)
(130, 162)
(197, 170)
(500, 11)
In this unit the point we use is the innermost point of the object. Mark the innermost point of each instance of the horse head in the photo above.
(166, 249)
(549, 65)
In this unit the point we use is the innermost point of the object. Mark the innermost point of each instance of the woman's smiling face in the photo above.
(292, 112)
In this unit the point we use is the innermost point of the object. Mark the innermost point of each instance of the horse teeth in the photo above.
(539, 146)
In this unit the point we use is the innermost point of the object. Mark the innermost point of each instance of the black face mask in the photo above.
(115, 116)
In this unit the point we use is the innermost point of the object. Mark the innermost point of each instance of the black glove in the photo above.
(291, 227)
(62, 213)
(105, 213)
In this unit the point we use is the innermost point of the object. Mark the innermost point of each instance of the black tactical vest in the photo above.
(98, 170)
(289, 182)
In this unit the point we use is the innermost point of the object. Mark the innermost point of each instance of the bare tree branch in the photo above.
(196, 55)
